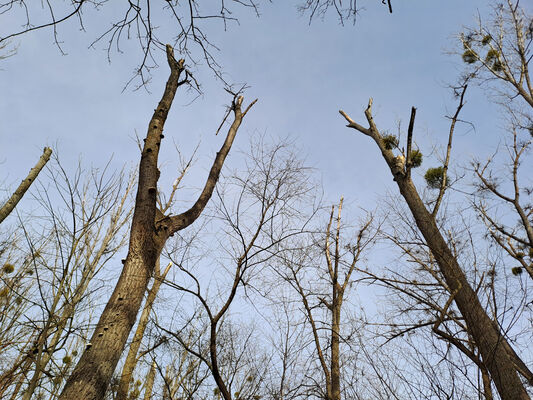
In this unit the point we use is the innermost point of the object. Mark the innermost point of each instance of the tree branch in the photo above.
(25, 185)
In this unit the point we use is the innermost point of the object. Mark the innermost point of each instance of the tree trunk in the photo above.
(149, 231)
(149, 383)
(484, 330)
(487, 384)
(335, 392)
(25, 185)
(131, 359)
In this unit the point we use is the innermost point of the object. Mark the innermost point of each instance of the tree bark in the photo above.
(149, 231)
(335, 392)
(131, 359)
(149, 382)
(25, 185)
(484, 330)
(487, 384)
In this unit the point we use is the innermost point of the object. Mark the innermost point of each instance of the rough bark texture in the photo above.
(25, 185)
(131, 359)
(487, 384)
(484, 330)
(149, 231)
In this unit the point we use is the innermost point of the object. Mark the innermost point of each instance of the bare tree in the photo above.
(149, 231)
(421, 314)
(488, 336)
(138, 20)
(345, 11)
(499, 57)
(185, 375)
(322, 290)
(516, 238)
(14, 338)
(498, 53)
(286, 378)
(53, 268)
(258, 211)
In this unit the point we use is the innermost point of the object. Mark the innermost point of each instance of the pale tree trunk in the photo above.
(149, 231)
(333, 259)
(487, 384)
(25, 185)
(149, 382)
(334, 391)
(484, 330)
(339, 285)
(131, 358)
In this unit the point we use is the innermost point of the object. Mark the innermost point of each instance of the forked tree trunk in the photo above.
(486, 333)
(149, 231)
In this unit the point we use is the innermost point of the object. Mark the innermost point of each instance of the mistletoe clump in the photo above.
(434, 177)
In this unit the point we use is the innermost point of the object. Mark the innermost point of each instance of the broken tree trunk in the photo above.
(25, 185)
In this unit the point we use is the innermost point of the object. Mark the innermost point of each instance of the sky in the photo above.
(301, 73)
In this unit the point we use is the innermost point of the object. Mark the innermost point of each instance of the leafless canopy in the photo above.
(134, 19)
(345, 11)
(147, 22)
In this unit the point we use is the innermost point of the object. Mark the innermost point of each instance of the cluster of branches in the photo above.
(147, 21)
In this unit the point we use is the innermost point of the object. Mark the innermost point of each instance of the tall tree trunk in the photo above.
(25, 185)
(131, 358)
(484, 330)
(149, 231)
(149, 382)
(335, 393)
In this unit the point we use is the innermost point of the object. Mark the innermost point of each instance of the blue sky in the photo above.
(301, 73)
